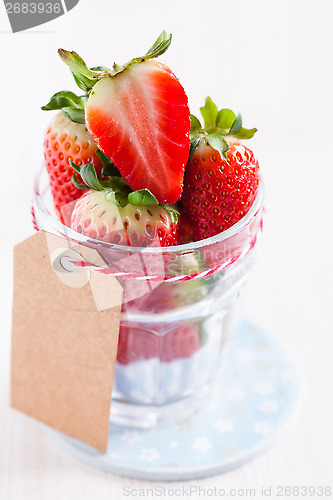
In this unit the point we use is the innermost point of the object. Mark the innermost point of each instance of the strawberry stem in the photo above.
(72, 105)
(115, 186)
(86, 78)
(217, 125)
(109, 169)
(157, 49)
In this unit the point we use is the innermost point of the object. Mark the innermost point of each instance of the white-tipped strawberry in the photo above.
(138, 115)
(97, 216)
(113, 213)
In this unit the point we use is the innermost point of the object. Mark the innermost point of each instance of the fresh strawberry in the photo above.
(111, 212)
(222, 175)
(185, 231)
(139, 117)
(64, 140)
(97, 216)
(137, 345)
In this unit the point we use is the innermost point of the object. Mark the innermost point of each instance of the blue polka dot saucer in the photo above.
(245, 416)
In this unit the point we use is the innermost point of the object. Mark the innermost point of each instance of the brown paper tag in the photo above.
(64, 338)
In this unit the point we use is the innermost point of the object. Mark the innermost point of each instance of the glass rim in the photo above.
(184, 248)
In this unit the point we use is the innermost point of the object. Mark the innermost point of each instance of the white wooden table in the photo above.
(271, 61)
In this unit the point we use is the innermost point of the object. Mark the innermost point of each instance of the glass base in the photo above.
(244, 416)
(146, 417)
(154, 392)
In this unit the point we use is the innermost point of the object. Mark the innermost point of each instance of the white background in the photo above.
(272, 61)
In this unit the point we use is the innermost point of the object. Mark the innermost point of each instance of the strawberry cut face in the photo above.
(141, 120)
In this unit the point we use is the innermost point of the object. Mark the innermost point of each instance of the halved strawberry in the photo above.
(138, 115)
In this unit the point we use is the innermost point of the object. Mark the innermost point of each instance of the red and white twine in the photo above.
(169, 279)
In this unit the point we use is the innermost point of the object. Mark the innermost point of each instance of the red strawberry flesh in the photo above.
(140, 119)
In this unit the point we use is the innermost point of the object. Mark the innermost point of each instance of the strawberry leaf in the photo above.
(80, 84)
(71, 105)
(120, 199)
(160, 46)
(209, 113)
(117, 197)
(99, 68)
(194, 144)
(115, 187)
(245, 133)
(236, 126)
(157, 49)
(225, 119)
(226, 123)
(219, 143)
(89, 177)
(195, 123)
(103, 157)
(84, 77)
(63, 99)
(76, 63)
(121, 191)
(74, 166)
(172, 212)
(76, 183)
(142, 197)
(74, 114)
(109, 169)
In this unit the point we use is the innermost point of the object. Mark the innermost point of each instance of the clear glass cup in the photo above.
(179, 310)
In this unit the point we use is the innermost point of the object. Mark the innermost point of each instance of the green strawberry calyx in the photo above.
(217, 125)
(116, 189)
(72, 105)
(86, 78)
